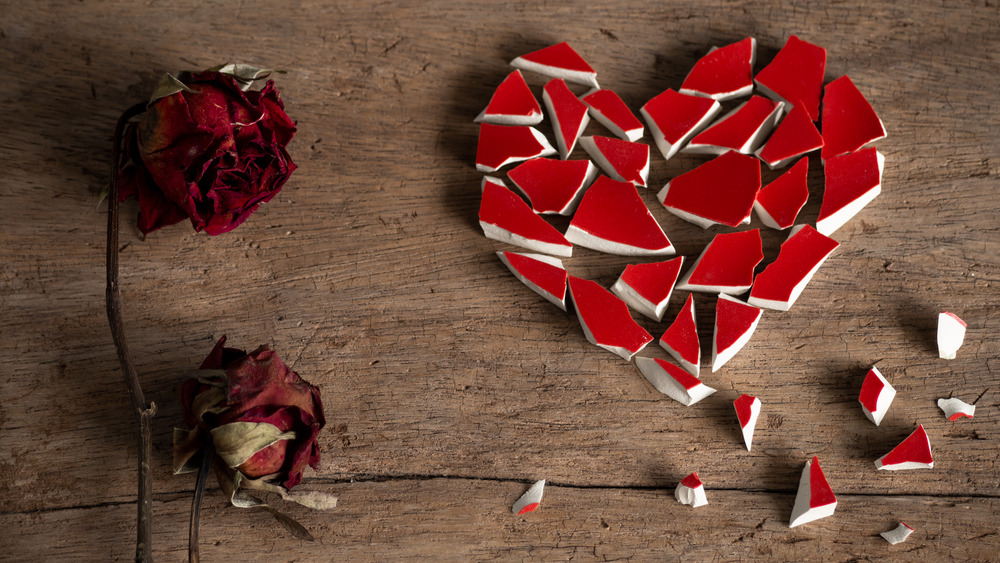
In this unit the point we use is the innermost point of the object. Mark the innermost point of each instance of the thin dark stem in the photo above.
(143, 412)
(208, 452)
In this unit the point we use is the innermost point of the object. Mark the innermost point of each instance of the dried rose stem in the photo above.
(143, 412)
(208, 452)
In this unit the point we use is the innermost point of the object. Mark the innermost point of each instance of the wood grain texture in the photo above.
(441, 373)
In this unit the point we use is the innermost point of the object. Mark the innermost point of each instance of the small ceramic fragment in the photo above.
(735, 322)
(742, 130)
(853, 180)
(624, 161)
(545, 275)
(849, 122)
(500, 145)
(610, 111)
(796, 135)
(726, 265)
(673, 381)
(950, 335)
(506, 218)
(680, 339)
(530, 500)
(558, 61)
(673, 118)
(552, 185)
(783, 280)
(569, 115)
(647, 287)
(815, 498)
(795, 75)
(613, 218)
(779, 203)
(605, 319)
(897, 535)
(721, 191)
(955, 409)
(876, 396)
(691, 491)
(747, 412)
(912, 453)
(512, 104)
(724, 73)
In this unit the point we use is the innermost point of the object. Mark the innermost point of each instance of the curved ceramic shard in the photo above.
(506, 218)
(673, 118)
(613, 218)
(680, 339)
(853, 180)
(512, 104)
(782, 281)
(691, 491)
(500, 145)
(724, 73)
(558, 61)
(735, 322)
(795, 75)
(747, 411)
(898, 534)
(673, 381)
(955, 409)
(721, 191)
(815, 498)
(726, 265)
(647, 287)
(610, 111)
(530, 500)
(545, 275)
(779, 203)
(568, 114)
(795, 136)
(876, 396)
(605, 319)
(950, 335)
(552, 185)
(912, 453)
(742, 130)
(624, 161)
(849, 122)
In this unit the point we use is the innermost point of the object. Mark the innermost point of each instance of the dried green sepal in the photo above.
(187, 450)
(168, 86)
(237, 442)
(244, 74)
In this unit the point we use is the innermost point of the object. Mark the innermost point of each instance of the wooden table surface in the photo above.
(449, 386)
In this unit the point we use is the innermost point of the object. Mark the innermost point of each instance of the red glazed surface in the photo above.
(848, 177)
(849, 122)
(502, 207)
(916, 448)
(796, 73)
(606, 316)
(528, 508)
(722, 190)
(613, 211)
(787, 194)
(513, 97)
(685, 379)
(732, 320)
(795, 135)
(726, 69)
(627, 158)
(796, 258)
(734, 131)
(677, 114)
(871, 389)
(653, 281)
(743, 409)
(549, 183)
(568, 109)
(682, 334)
(500, 143)
(729, 260)
(611, 106)
(560, 55)
(692, 481)
(546, 276)
(820, 493)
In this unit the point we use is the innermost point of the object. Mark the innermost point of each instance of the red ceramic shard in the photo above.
(741, 130)
(779, 203)
(624, 161)
(735, 322)
(530, 500)
(647, 287)
(610, 111)
(726, 265)
(853, 180)
(898, 534)
(815, 498)
(691, 491)
(721, 191)
(747, 412)
(950, 335)
(795, 75)
(783, 280)
(795, 136)
(545, 275)
(724, 73)
(912, 453)
(512, 103)
(558, 61)
(680, 339)
(568, 114)
(955, 409)
(876, 396)
(673, 381)
(612, 218)
(551, 185)
(506, 218)
(849, 122)
(605, 319)
(500, 145)
(673, 118)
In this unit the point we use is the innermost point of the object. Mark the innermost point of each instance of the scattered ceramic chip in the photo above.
(795, 75)
(613, 218)
(680, 339)
(545, 275)
(673, 381)
(726, 265)
(796, 135)
(742, 130)
(552, 185)
(815, 498)
(530, 500)
(721, 191)
(610, 111)
(673, 118)
(724, 73)
(912, 453)
(747, 412)
(735, 322)
(783, 280)
(624, 161)
(605, 319)
(512, 103)
(506, 218)
(950, 335)
(779, 203)
(569, 115)
(898, 534)
(691, 491)
(849, 122)
(853, 180)
(558, 61)
(647, 287)
(876, 396)
(500, 145)
(955, 409)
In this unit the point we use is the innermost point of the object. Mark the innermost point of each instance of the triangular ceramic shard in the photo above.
(568, 114)
(898, 534)
(955, 409)
(876, 396)
(779, 203)
(545, 275)
(624, 161)
(950, 335)
(605, 319)
(796, 135)
(530, 500)
(782, 281)
(912, 453)
(795, 75)
(735, 322)
(742, 130)
(721, 191)
(558, 61)
(691, 491)
(673, 381)
(612, 218)
(552, 185)
(647, 287)
(849, 122)
(610, 111)
(680, 339)
(506, 218)
(500, 145)
(747, 412)
(853, 180)
(512, 104)
(724, 73)
(815, 498)
(726, 265)
(673, 118)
